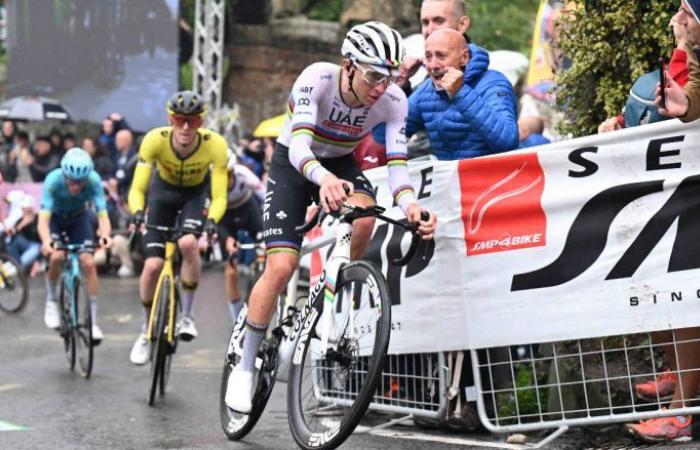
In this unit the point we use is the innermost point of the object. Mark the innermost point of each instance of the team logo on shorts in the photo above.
(281, 215)
(501, 203)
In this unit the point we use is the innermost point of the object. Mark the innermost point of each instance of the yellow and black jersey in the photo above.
(157, 150)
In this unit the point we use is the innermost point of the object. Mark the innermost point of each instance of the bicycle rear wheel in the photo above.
(14, 290)
(66, 327)
(82, 332)
(237, 425)
(328, 393)
(159, 339)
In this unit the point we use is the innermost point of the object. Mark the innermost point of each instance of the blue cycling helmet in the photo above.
(76, 164)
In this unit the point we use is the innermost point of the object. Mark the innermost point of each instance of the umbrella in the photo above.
(33, 108)
(270, 127)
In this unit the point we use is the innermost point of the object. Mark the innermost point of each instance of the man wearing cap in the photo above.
(684, 102)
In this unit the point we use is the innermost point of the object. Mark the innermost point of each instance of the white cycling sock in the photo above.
(235, 307)
(51, 287)
(187, 302)
(93, 308)
(254, 334)
(146, 317)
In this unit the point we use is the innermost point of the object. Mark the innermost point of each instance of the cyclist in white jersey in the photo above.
(330, 109)
(245, 195)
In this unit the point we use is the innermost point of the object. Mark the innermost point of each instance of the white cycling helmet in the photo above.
(376, 44)
(232, 160)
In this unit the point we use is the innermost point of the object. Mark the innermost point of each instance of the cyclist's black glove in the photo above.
(137, 219)
(210, 228)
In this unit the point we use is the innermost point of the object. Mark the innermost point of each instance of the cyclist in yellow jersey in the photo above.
(190, 165)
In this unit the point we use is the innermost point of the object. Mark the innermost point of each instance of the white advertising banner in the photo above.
(590, 237)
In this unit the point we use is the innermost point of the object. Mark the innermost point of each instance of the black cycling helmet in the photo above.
(187, 103)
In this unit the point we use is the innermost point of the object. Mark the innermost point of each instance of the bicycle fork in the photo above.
(325, 287)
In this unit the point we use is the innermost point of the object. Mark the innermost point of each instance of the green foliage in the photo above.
(503, 25)
(186, 73)
(610, 44)
(528, 402)
(328, 10)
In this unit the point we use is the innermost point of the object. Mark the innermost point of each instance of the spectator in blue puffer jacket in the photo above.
(466, 113)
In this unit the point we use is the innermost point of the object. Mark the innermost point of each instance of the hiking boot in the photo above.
(664, 385)
(663, 429)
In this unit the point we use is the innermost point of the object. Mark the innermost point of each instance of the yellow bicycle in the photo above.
(164, 311)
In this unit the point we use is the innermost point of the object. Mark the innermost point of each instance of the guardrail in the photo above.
(580, 382)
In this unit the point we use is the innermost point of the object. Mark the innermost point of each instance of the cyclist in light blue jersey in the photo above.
(71, 195)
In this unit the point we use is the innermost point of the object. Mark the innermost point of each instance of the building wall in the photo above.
(265, 60)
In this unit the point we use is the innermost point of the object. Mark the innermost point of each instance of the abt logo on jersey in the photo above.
(501, 203)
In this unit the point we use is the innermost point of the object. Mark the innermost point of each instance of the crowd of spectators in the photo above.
(23, 162)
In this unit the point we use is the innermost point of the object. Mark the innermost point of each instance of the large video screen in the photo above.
(95, 56)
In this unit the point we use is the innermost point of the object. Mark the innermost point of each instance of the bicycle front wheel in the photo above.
(169, 348)
(330, 390)
(14, 290)
(67, 324)
(82, 332)
(159, 339)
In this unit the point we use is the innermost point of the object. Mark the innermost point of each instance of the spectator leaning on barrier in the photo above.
(20, 226)
(466, 109)
(640, 108)
(684, 102)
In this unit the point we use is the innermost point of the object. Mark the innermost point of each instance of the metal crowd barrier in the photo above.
(579, 382)
(413, 384)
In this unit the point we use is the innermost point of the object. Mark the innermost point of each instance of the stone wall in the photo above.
(265, 60)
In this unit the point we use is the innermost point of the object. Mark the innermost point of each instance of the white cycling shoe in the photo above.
(52, 315)
(97, 334)
(239, 391)
(185, 329)
(141, 351)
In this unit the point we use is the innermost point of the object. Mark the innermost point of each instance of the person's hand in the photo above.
(211, 229)
(334, 192)
(680, 32)
(425, 228)
(231, 245)
(106, 241)
(609, 125)
(409, 67)
(136, 221)
(676, 102)
(452, 81)
(47, 248)
(10, 231)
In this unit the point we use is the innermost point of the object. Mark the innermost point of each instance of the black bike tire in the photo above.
(82, 339)
(169, 350)
(158, 333)
(23, 285)
(355, 271)
(260, 397)
(66, 326)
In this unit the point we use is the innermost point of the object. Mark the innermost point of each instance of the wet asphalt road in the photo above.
(45, 406)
